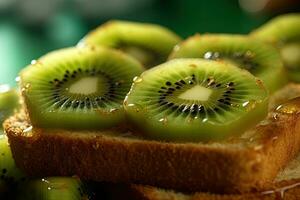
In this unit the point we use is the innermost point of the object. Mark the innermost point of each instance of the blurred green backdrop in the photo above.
(31, 28)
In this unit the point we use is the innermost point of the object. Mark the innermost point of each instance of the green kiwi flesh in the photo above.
(10, 175)
(195, 100)
(78, 88)
(9, 172)
(9, 101)
(284, 33)
(148, 43)
(52, 188)
(262, 60)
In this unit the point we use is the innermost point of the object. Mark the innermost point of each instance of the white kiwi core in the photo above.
(85, 85)
(196, 93)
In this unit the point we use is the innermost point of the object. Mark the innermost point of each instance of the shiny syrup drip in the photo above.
(291, 106)
(279, 192)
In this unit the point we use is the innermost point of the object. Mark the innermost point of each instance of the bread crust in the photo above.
(240, 165)
(284, 190)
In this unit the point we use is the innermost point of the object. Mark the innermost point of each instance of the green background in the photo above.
(21, 42)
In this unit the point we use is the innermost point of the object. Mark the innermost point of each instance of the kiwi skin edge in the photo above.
(9, 102)
(149, 43)
(283, 32)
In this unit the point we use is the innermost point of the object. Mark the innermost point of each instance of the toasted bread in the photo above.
(286, 187)
(286, 190)
(246, 163)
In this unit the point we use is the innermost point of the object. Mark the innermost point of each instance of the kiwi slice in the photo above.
(195, 100)
(53, 188)
(148, 43)
(9, 101)
(284, 33)
(10, 174)
(78, 88)
(262, 60)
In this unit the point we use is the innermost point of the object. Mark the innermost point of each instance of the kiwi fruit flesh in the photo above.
(9, 101)
(284, 33)
(78, 88)
(262, 60)
(53, 188)
(195, 100)
(148, 43)
(10, 174)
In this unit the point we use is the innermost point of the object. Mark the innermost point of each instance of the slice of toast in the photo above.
(246, 163)
(285, 187)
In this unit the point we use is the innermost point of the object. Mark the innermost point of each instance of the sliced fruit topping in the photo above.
(260, 59)
(194, 99)
(78, 88)
(284, 33)
(148, 43)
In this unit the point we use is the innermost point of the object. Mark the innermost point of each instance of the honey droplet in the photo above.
(275, 116)
(17, 79)
(290, 107)
(258, 147)
(27, 132)
(135, 107)
(211, 81)
(27, 86)
(274, 138)
(164, 120)
(245, 103)
(204, 120)
(45, 180)
(280, 192)
(28, 129)
(208, 55)
(249, 105)
(35, 62)
(113, 110)
(137, 79)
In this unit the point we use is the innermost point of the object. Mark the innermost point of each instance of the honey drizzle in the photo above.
(279, 192)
